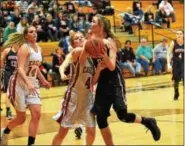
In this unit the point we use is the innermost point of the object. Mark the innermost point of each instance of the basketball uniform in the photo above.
(178, 62)
(18, 91)
(9, 68)
(110, 91)
(78, 99)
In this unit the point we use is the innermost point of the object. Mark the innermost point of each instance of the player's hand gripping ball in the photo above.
(95, 47)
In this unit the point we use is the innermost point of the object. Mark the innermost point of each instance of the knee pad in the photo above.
(124, 116)
(102, 122)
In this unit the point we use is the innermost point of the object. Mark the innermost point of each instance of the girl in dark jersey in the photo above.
(177, 52)
(110, 90)
(9, 59)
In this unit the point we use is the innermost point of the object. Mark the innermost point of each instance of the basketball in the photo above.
(95, 47)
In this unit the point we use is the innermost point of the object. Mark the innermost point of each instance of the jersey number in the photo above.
(88, 83)
(31, 71)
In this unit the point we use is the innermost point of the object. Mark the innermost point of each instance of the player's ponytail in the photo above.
(14, 38)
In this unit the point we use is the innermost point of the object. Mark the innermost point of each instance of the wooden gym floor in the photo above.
(148, 96)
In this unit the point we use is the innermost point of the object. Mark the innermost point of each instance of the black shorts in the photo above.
(178, 70)
(108, 95)
(5, 79)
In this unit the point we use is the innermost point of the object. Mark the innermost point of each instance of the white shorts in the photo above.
(22, 96)
(77, 111)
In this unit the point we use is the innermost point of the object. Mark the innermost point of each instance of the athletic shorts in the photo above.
(178, 69)
(19, 94)
(4, 80)
(108, 95)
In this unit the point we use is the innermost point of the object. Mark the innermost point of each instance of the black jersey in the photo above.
(178, 51)
(107, 76)
(10, 61)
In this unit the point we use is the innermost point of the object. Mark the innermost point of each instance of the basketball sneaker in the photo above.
(4, 138)
(78, 132)
(151, 124)
(9, 115)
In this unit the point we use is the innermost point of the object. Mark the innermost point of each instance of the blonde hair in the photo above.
(16, 38)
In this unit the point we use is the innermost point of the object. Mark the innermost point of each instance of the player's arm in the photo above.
(64, 65)
(42, 79)
(170, 52)
(100, 67)
(3, 56)
(110, 61)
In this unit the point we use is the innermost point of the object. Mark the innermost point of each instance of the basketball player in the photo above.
(9, 62)
(111, 87)
(23, 85)
(177, 53)
(78, 99)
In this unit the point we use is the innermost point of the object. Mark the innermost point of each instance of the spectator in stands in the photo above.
(70, 8)
(160, 53)
(159, 1)
(3, 22)
(128, 21)
(33, 6)
(23, 5)
(41, 31)
(58, 58)
(30, 15)
(83, 2)
(8, 30)
(22, 24)
(148, 16)
(16, 16)
(135, 5)
(54, 6)
(62, 25)
(128, 59)
(74, 23)
(145, 57)
(168, 9)
(139, 14)
(9, 5)
(161, 17)
(92, 14)
(51, 28)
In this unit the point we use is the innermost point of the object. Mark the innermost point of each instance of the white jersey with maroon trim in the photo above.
(78, 99)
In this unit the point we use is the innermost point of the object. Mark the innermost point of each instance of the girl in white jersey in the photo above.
(23, 86)
(78, 99)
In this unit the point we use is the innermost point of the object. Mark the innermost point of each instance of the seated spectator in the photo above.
(51, 28)
(9, 5)
(128, 21)
(160, 53)
(54, 6)
(148, 16)
(83, 2)
(23, 5)
(22, 24)
(135, 5)
(92, 14)
(58, 58)
(8, 30)
(40, 27)
(168, 9)
(74, 23)
(139, 14)
(3, 22)
(128, 59)
(33, 6)
(16, 16)
(159, 1)
(30, 16)
(145, 57)
(69, 7)
(161, 17)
